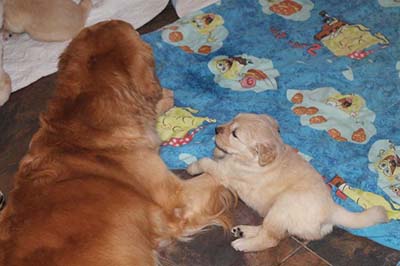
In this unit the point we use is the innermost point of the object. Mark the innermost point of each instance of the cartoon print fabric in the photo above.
(389, 3)
(384, 159)
(289, 9)
(200, 33)
(177, 126)
(344, 39)
(326, 70)
(243, 73)
(344, 117)
(398, 67)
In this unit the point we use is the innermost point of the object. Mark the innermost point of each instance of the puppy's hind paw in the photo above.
(236, 232)
(241, 244)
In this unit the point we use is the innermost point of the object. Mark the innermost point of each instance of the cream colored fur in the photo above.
(5, 81)
(46, 20)
(273, 179)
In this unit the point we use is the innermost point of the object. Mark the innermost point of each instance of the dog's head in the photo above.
(251, 137)
(107, 76)
(109, 56)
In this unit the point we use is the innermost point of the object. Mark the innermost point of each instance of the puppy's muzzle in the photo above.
(219, 130)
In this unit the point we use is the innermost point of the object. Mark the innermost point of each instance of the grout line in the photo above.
(316, 254)
(303, 243)
(289, 255)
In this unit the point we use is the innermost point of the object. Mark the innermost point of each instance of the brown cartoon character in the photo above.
(349, 103)
(389, 164)
(230, 67)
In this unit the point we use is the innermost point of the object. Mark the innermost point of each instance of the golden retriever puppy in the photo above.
(92, 189)
(46, 20)
(273, 179)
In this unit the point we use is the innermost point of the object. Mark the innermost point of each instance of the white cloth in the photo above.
(27, 60)
(184, 7)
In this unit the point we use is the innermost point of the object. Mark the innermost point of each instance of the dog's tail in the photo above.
(368, 217)
(86, 6)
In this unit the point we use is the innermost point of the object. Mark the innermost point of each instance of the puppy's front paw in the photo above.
(194, 168)
(237, 232)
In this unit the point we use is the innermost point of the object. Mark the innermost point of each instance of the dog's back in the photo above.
(74, 202)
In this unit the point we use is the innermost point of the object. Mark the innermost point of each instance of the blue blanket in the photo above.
(328, 71)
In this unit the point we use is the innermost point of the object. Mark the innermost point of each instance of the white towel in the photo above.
(27, 60)
(184, 7)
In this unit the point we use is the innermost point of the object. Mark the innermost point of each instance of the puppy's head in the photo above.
(251, 137)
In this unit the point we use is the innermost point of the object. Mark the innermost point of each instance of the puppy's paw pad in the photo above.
(237, 232)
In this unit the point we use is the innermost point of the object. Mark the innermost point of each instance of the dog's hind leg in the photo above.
(265, 239)
(256, 238)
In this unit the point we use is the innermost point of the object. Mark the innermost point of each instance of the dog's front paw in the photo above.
(194, 168)
(166, 102)
(237, 232)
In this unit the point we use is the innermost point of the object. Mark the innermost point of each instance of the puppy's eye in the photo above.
(234, 134)
(279, 130)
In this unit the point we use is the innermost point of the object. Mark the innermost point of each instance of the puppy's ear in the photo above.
(270, 121)
(266, 153)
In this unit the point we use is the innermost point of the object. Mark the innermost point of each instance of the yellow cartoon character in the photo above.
(176, 123)
(344, 39)
(349, 103)
(389, 164)
(206, 23)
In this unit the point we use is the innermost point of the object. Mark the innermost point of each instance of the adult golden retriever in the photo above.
(92, 189)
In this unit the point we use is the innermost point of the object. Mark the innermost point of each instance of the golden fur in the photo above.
(273, 179)
(92, 190)
(46, 20)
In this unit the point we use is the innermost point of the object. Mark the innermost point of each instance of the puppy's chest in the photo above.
(255, 196)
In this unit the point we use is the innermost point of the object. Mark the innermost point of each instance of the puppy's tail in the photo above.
(368, 217)
(86, 6)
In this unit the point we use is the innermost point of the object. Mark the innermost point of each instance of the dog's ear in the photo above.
(266, 153)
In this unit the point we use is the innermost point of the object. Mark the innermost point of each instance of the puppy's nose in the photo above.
(219, 130)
